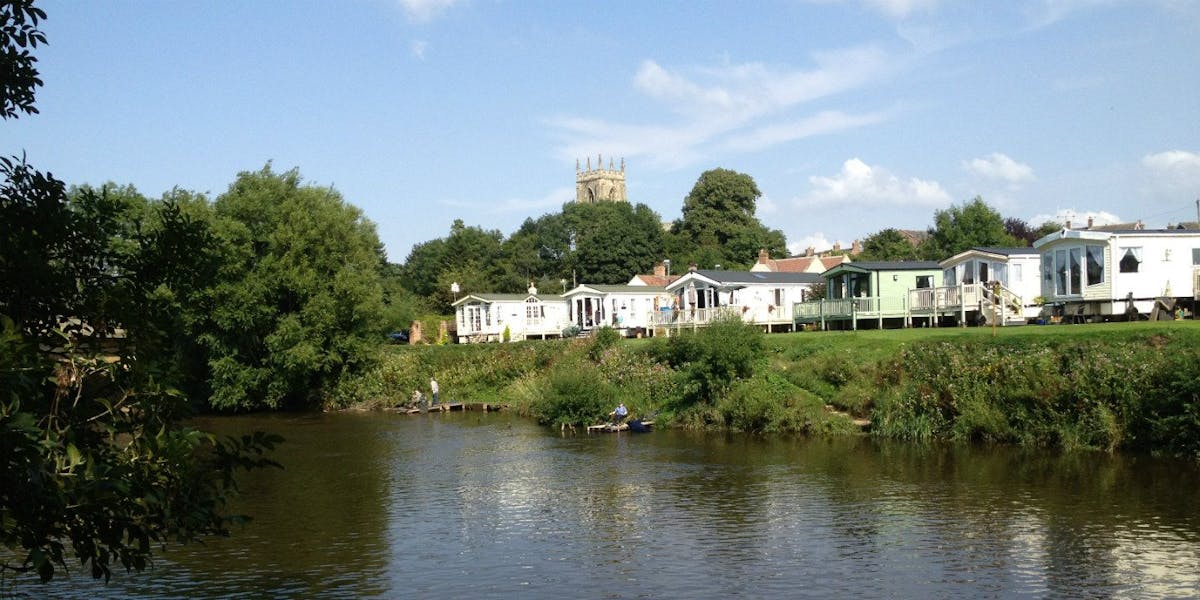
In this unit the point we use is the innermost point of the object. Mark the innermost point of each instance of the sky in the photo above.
(852, 116)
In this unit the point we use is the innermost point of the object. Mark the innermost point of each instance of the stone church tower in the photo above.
(600, 184)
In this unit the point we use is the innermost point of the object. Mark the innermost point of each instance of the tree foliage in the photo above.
(888, 244)
(612, 241)
(19, 78)
(94, 461)
(298, 302)
(718, 224)
(960, 228)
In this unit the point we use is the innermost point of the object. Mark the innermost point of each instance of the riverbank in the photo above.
(1101, 386)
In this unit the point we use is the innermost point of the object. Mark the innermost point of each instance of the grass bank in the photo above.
(1103, 386)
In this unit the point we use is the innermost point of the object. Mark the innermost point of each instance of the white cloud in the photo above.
(899, 9)
(1173, 162)
(817, 241)
(895, 9)
(418, 48)
(555, 198)
(1173, 172)
(424, 11)
(1000, 167)
(766, 206)
(1077, 218)
(861, 184)
(830, 121)
(745, 107)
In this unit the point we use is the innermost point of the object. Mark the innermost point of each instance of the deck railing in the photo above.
(694, 316)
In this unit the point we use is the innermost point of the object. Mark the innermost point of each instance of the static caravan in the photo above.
(869, 292)
(1099, 274)
(627, 308)
(486, 317)
(763, 298)
(992, 280)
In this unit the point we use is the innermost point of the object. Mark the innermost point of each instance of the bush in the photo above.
(713, 358)
(605, 338)
(576, 395)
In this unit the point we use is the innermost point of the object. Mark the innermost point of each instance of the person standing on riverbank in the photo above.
(619, 414)
(433, 389)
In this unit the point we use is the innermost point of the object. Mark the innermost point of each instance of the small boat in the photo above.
(634, 425)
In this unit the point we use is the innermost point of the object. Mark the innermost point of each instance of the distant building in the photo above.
(600, 184)
(810, 262)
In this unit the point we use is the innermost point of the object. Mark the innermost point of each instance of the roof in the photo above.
(656, 280)
(895, 265)
(493, 298)
(1101, 236)
(803, 264)
(744, 278)
(1005, 251)
(615, 289)
(992, 251)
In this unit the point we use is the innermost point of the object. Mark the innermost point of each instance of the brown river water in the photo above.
(477, 505)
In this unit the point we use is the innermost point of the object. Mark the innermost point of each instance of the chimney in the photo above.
(837, 246)
(660, 270)
(810, 251)
(763, 257)
(856, 249)
(1089, 222)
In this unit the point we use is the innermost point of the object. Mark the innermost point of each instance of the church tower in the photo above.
(600, 184)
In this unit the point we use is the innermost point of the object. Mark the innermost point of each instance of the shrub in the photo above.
(605, 338)
(573, 396)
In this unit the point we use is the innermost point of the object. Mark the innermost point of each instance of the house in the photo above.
(969, 288)
(763, 298)
(877, 292)
(1093, 274)
(627, 308)
(810, 262)
(660, 277)
(486, 317)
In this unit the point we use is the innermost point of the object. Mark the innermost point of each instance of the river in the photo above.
(471, 505)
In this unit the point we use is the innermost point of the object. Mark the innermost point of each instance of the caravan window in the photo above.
(1095, 264)
(1196, 256)
(924, 282)
(1130, 260)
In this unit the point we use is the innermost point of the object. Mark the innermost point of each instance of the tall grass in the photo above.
(1134, 385)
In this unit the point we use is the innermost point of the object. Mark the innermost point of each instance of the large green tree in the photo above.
(960, 228)
(96, 467)
(612, 241)
(298, 302)
(888, 244)
(718, 223)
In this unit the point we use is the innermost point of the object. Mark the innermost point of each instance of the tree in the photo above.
(960, 228)
(612, 241)
(299, 302)
(888, 244)
(19, 78)
(94, 460)
(718, 223)
(469, 256)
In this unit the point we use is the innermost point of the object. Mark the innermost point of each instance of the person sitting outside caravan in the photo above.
(619, 414)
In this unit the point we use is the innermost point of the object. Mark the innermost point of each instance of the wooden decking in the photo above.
(610, 428)
(450, 406)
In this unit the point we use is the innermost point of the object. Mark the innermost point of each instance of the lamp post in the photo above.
(454, 290)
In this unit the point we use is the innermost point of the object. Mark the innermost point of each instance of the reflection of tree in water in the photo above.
(327, 504)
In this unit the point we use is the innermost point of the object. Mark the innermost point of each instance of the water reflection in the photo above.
(475, 505)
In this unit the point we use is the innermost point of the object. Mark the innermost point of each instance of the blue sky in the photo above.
(852, 116)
